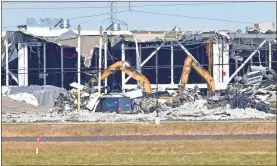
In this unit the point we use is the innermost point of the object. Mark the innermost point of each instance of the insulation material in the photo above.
(134, 94)
(76, 85)
(36, 95)
(25, 97)
(5, 90)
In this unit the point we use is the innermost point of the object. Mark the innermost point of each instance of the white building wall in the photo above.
(221, 63)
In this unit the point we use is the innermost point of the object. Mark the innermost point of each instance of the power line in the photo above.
(101, 7)
(202, 18)
(74, 18)
(12, 26)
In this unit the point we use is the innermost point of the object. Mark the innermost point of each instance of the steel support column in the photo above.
(244, 63)
(122, 73)
(21, 64)
(157, 89)
(79, 69)
(99, 61)
(138, 61)
(44, 63)
(251, 60)
(269, 55)
(105, 62)
(172, 65)
(62, 76)
(7, 61)
(220, 50)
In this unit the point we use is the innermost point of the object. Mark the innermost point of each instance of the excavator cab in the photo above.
(115, 103)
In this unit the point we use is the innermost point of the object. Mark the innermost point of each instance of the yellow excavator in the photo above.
(124, 67)
(188, 64)
(146, 103)
(144, 82)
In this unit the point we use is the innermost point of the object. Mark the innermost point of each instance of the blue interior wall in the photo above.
(53, 65)
(164, 62)
(114, 54)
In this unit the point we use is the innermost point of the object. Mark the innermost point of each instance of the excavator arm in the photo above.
(116, 66)
(188, 63)
(123, 66)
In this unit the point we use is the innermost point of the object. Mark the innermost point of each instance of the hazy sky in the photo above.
(237, 11)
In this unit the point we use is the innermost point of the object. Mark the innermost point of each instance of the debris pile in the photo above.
(67, 101)
(199, 110)
(246, 96)
(252, 100)
(189, 111)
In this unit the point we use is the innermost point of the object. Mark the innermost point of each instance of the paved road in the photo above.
(162, 122)
(140, 138)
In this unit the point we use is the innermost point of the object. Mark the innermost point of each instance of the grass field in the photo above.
(208, 152)
(201, 128)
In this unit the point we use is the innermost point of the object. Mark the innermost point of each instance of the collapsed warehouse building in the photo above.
(49, 57)
(60, 70)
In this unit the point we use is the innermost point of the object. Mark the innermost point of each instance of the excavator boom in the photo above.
(188, 63)
(123, 66)
(116, 66)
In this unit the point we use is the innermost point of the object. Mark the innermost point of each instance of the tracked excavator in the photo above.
(124, 67)
(147, 104)
(190, 63)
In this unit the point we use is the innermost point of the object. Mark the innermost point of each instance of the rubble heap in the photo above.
(67, 101)
(247, 96)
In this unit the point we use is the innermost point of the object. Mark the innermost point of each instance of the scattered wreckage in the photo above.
(246, 96)
(250, 97)
(251, 91)
(236, 96)
(146, 102)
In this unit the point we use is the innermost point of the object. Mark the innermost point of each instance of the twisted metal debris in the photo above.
(241, 96)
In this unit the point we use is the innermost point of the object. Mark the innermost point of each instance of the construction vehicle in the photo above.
(115, 103)
(143, 81)
(125, 67)
(190, 63)
(146, 103)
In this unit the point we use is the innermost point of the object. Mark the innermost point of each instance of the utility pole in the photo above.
(79, 67)
(99, 61)
(105, 58)
(157, 119)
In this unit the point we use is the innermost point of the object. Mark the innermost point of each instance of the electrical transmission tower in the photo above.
(113, 18)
